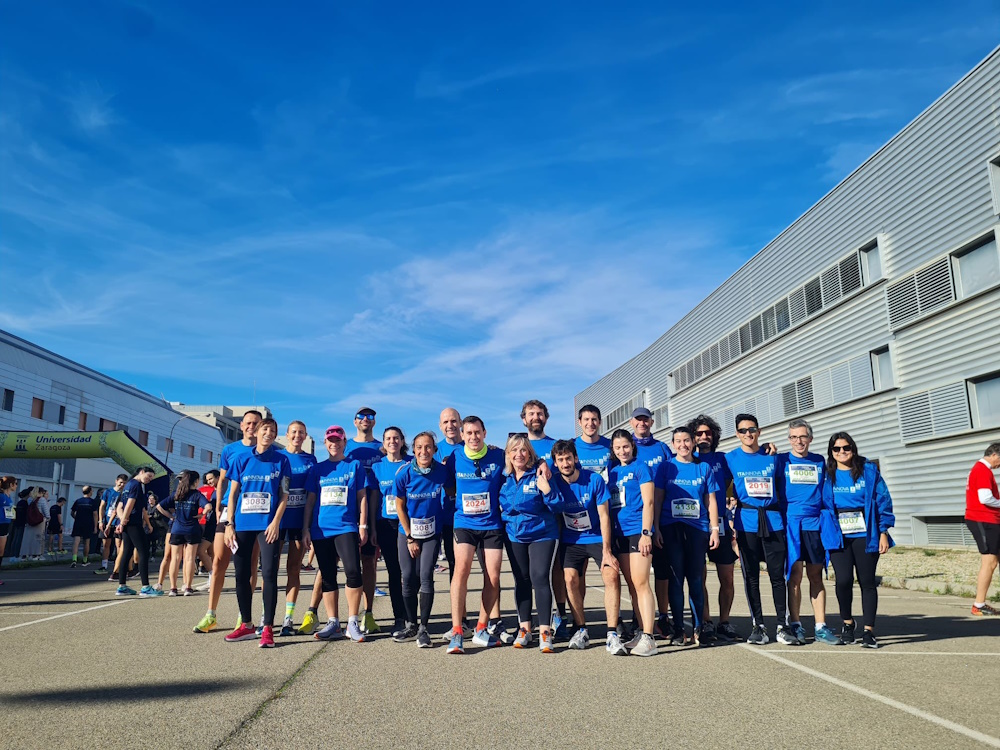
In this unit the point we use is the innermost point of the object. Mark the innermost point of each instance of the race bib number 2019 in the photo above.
(759, 487)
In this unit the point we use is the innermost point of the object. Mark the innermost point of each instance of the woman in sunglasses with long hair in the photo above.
(863, 507)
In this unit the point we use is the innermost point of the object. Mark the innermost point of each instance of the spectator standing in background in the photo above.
(19, 524)
(982, 516)
(38, 514)
(55, 528)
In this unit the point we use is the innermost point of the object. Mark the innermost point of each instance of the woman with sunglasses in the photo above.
(861, 501)
(526, 507)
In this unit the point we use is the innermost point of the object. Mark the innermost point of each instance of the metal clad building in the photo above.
(876, 312)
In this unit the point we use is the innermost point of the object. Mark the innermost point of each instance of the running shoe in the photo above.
(438, 569)
(206, 624)
(676, 638)
(868, 640)
(625, 632)
(125, 591)
(523, 639)
(847, 633)
(405, 633)
(800, 633)
(308, 626)
(727, 632)
(614, 645)
(645, 647)
(287, 628)
(580, 639)
(148, 592)
(173, 592)
(827, 636)
(188, 591)
(758, 636)
(370, 626)
(245, 632)
(354, 632)
(308, 568)
(560, 629)
(423, 638)
(267, 637)
(499, 631)
(380, 592)
(85, 564)
(632, 642)
(786, 636)
(112, 577)
(985, 611)
(467, 631)
(204, 586)
(455, 644)
(158, 586)
(484, 639)
(707, 632)
(662, 627)
(545, 643)
(73, 564)
(101, 572)
(329, 632)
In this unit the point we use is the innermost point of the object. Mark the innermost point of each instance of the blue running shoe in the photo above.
(354, 632)
(484, 639)
(125, 591)
(825, 635)
(380, 592)
(560, 629)
(455, 645)
(329, 632)
(148, 592)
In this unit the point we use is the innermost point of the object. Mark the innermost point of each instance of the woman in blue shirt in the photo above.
(185, 531)
(861, 501)
(381, 475)
(419, 493)
(526, 506)
(8, 487)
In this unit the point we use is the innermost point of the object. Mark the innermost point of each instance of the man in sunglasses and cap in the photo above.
(365, 449)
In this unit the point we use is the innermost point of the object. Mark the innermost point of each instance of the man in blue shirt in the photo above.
(365, 449)
(134, 522)
(107, 520)
(759, 526)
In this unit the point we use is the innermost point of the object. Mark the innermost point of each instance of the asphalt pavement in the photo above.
(84, 669)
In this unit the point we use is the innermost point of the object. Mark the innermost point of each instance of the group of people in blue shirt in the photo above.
(640, 509)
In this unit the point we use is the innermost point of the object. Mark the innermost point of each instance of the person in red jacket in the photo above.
(982, 516)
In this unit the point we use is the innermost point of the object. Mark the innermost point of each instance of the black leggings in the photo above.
(418, 573)
(343, 547)
(845, 561)
(134, 538)
(387, 531)
(531, 565)
(270, 553)
(448, 542)
(755, 549)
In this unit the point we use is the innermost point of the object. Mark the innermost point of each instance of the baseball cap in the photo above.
(642, 411)
(335, 432)
(366, 410)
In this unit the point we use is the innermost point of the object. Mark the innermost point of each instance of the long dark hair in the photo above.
(186, 481)
(404, 449)
(857, 460)
(711, 424)
(625, 435)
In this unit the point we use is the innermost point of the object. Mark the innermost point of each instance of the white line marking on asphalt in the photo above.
(65, 614)
(27, 614)
(881, 652)
(919, 713)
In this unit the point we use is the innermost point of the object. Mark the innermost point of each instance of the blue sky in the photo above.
(411, 206)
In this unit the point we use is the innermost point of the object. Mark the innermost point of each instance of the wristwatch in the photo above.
(647, 532)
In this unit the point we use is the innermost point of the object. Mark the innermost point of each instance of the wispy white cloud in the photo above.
(91, 107)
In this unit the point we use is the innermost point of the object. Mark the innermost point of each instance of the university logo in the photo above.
(21, 444)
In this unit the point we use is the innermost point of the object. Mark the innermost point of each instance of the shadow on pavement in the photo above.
(132, 693)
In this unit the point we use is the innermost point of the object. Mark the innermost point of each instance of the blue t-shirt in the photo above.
(685, 499)
(849, 496)
(723, 478)
(477, 489)
(226, 460)
(84, 507)
(111, 499)
(364, 453)
(581, 520)
(134, 489)
(753, 483)
(423, 495)
(654, 453)
(802, 481)
(625, 486)
(543, 447)
(380, 479)
(336, 485)
(262, 477)
(295, 510)
(7, 506)
(528, 513)
(185, 511)
(443, 453)
(596, 457)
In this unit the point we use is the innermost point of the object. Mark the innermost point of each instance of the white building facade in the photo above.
(41, 391)
(877, 312)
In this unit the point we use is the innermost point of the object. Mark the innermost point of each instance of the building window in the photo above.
(882, 372)
(165, 444)
(871, 263)
(8, 399)
(107, 425)
(207, 457)
(995, 184)
(977, 268)
(187, 450)
(62, 415)
(143, 438)
(82, 422)
(985, 397)
(37, 408)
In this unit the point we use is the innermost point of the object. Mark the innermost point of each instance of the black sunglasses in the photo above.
(842, 449)
(748, 430)
(479, 471)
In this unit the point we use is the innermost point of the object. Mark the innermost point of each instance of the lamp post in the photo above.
(170, 439)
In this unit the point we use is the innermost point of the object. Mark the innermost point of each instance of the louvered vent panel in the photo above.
(797, 305)
(950, 409)
(934, 287)
(901, 299)
(850, 274)
(814, 297)
(830, 280)
(915, 416)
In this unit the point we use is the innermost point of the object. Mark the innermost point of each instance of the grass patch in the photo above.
(930, 552)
